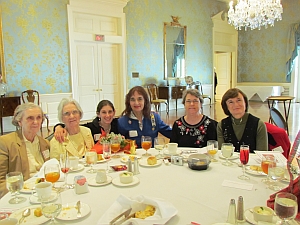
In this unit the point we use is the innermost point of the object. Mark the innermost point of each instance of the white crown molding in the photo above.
(93, 3)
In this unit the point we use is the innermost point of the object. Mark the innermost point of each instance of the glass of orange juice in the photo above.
(146, 144)
(52, 173)
(115, 147)
(265, 162)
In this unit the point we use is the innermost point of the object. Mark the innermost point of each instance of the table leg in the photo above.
(1, 125)
(286, 114)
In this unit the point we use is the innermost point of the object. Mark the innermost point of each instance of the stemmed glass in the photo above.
(52, 173)
(286, 206)
(227, 152)
(65, 167)
(146, 144)
(51, 208)
(91, 159)
(212, 149)
(159, 145)
(244, 158)
(106, 153)
(115, 147)
(275, 172)
(14, 183)
(265, 162)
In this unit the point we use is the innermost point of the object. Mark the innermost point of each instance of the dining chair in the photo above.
(34, 97)
(277, 118)
(153, 94)
(201, 92)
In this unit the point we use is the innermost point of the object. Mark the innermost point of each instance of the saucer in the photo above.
(92, 182)
(31, 219)
(143, 162)
(79, 168)
(69, 211)
(234, 156)
(250, 218)
(166, 152)
(116, 181)
(254, 172)
(34, 199)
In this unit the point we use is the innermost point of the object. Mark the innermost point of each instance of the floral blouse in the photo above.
(197, 135)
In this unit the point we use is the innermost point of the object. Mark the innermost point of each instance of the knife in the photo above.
(125, 214)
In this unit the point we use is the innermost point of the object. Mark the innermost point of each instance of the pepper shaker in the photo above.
(240, 217)
(231, 212)
(136, 166)
(129, 164)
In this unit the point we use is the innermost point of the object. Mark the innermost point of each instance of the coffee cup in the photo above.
(8, 221)
(172, 148)
(74, 160)
(43, 190)
(101, 176)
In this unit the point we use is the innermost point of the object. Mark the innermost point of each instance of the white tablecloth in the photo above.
(263, 92)
(198, 195)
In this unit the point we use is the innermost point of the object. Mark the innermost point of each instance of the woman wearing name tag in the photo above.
(137, 119)
(241, 127)
(23, 150)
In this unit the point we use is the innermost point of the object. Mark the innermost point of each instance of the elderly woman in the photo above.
(78, 139)
(23, 150)
(240, 127)
(194, 129)
(138, 120)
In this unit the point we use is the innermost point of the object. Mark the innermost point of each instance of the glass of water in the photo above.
(227, 152)
(14, 183)
(51, 208)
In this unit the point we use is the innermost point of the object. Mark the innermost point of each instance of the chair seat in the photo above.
(159, 101)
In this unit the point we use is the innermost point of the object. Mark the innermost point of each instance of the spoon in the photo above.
(25, 213)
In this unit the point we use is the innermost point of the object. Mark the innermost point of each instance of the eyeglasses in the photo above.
(74, 112)
(194, 101)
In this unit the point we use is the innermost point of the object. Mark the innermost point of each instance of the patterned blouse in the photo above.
(195, 136)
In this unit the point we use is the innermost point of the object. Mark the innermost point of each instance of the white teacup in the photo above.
(172, 148)
(101, 176)
(74, 160)
(9, 221)
(43, 190)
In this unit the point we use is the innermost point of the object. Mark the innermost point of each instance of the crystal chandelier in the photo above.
(254, 13)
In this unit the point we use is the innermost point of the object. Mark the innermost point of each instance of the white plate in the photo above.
(69, 211)
(116, 181)
(143, 162)
(34, 199)
(124, 158)
(249, 217)
(79, 168)
(234, 156)
(92, 181)
(31, 219)
(222, 224)
(29, 185)
(254, 172)
(166, 152)
(103, 160)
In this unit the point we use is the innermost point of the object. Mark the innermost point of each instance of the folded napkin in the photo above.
(164, 210)
(41, 173)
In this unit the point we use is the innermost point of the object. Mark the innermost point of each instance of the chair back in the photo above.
(277, 118)
(153, 91)
(31, 96)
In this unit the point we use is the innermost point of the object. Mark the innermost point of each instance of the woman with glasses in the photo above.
(78, 139)
(138, 120)
(194, 129)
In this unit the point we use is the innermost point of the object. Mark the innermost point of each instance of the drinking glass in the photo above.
(65, 167)
(51, 208)
(159, 145)
(14, 183)
(275, 172)
(146, 144)
(52, 173)
(227, 152)
(91, 159)
(212, 149)
(244, 158)
(286, 206)
(106, 151)
(265, 162)
(115, 147)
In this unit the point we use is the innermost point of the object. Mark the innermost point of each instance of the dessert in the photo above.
(149, 211)
(256, 168)
(152, 160)
(99, 157)
(38, 212)
(126, 177)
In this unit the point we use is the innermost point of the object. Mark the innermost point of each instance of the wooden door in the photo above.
(223, 70)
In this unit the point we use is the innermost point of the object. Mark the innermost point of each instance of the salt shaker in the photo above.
(231, 212)
(136, 166)
(240, 217)
(129, 165)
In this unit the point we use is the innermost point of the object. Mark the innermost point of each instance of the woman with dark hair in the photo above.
(241, 127)
(103, 124)
(194, 129)
(137, 119)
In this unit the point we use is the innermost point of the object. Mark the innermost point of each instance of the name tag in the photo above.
(133, 133)
(97, 137)
(46, 154)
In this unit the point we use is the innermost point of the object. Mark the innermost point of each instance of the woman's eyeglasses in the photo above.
(190, 102)
(74, 112)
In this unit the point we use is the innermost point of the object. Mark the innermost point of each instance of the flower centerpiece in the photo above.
(112, 136)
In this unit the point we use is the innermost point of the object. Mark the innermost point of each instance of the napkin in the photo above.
(41, 173)
(164, 210)
(239, 185)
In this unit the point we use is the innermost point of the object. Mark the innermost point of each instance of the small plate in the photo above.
(34, 199)
(80, 167)
(254, 172)
(143, 162)
(103, 160)
(166, 152)
(69, 211)
(222, 224)
(31, 219)
(116, 181)
(92, 182)
(124, 158)
(249, 217)
(28, 186)
(234, 156)
(119, 167)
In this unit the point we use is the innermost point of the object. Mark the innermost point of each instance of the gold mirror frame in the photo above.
(2, 62)
(168, 75)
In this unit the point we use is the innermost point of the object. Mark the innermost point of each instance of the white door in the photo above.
(223, 70)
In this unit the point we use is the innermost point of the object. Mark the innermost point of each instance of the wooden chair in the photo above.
(153, 94)
(203, 95)
(277, 118)
(34, 97)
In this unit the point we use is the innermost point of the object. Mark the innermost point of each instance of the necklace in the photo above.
(107, 130)
(239, 122)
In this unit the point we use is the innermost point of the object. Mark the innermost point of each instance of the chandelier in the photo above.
(254, 13)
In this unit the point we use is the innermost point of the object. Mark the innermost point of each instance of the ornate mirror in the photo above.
(174, 50)
(2, 67)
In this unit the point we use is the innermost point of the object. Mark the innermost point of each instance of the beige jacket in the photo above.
(57, 148)
(13, 156)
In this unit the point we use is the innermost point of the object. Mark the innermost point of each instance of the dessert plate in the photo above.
(166, 152)
(31, 219)
(92, 182)
(249, 170)
(234, 156)
(116, 181)
(250, 218)
(143, 162)
(79, 168)
(69, 211)
(28, 186)
(124, 158)
(34, 199)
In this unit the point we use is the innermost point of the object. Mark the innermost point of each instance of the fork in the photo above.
(78, 204)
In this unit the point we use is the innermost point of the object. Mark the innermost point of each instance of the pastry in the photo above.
(152, 160)
(255, 168)
(149, 211)
(99, 157)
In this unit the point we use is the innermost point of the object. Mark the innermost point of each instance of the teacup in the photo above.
(74, 160)
(43, 190)
(8, 221)
(101, 176)
(172, 148)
